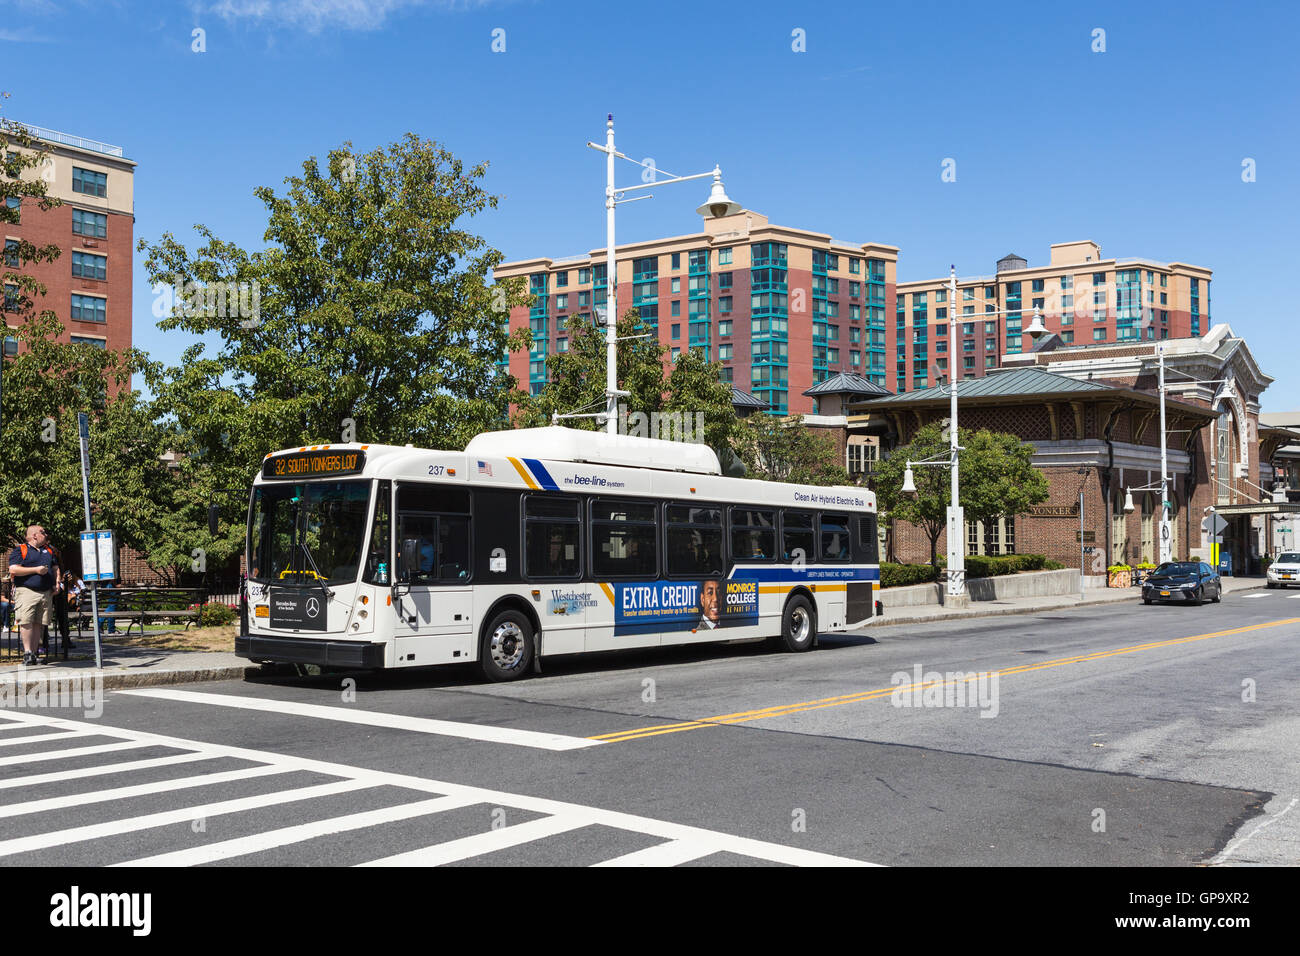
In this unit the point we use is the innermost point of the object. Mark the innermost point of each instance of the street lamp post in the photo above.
(717, 206)
(956, 588)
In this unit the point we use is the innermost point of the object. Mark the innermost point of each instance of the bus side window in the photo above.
(797, 536)
(623, 538)
(437, 518)
(753, 534)
(552, 533)
(835, 537)
(378, 558)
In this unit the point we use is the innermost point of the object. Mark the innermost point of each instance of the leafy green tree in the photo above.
(997, 477)
(47, 384)
(576, 382)
(777, 449)
(576, 376)
(369, 317)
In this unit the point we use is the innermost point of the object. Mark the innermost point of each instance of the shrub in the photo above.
(1050, 565)
(900, 575)
(1117, 568)
(214, 615)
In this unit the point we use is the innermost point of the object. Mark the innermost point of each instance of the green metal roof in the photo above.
(846, 383)
(1001, 383)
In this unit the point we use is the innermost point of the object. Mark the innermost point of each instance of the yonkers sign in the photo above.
(300, 610)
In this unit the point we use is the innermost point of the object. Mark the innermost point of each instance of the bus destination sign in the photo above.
(321, 463)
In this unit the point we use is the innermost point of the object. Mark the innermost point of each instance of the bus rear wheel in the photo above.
(798, 624)
(506, 651)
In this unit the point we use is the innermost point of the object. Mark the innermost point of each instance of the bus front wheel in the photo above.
(506, 652)
(798, 624)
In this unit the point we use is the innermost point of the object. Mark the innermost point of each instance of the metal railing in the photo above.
(67, 139)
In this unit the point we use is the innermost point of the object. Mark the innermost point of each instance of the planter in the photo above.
(1119, 579)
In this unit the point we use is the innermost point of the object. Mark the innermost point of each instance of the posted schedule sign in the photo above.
(99, 545)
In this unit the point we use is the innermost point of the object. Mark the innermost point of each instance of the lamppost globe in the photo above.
(1036, 327)
(718, 204)
(1128, 502)
(909, 482)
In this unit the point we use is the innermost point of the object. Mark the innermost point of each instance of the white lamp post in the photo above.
(716, 206)
(956, 591)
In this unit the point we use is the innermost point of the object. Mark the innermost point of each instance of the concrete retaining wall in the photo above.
(1026, 584)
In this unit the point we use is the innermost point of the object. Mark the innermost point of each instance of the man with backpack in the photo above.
(34, 568)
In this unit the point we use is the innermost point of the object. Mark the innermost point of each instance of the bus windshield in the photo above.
(295, 526)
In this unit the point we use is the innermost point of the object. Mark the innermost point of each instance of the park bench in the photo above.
(136, 605)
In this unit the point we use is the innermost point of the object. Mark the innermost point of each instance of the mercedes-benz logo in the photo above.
(313, 607)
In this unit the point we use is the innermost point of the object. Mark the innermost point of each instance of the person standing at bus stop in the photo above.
(35, 573)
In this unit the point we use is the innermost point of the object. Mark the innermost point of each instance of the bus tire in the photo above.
(506, 651)
(798, 624)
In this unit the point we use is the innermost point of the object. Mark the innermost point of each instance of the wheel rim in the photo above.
(507, 646)
(800, 625)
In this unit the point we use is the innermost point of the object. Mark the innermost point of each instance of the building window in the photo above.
(11, 253)
(724, 305)
(584, 276)
(677, 330)
(11, 345)
(88, 308)
(15, 203)
(677, 260)
(990, 345)
(855, 266)
(1037, 285)
(93, 224)
(1099, 335)
(561, 345)
(88, 266)
(89, 183)
(990, 291)
(724, 256)
(1067, 282)
(724, 327)
(724, 351)
(724, 281)
(1067, 337)
(561, 280)
(967, 294)
(677, 307)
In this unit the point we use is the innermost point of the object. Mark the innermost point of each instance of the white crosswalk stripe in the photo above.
(1256, 597)
(678, 843)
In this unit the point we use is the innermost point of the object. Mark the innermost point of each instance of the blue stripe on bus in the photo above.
(541, 474)
(785, 573)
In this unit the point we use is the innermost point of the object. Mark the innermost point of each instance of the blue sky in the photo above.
(1139, 147)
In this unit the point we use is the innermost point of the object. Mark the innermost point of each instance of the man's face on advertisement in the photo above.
(709, 603)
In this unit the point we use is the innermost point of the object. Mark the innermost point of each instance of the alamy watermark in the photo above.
(59, 692)
(948, 689)
(669, 426)
(213, 300)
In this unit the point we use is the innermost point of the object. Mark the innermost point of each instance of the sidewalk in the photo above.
(145, 667)
(1029, 605)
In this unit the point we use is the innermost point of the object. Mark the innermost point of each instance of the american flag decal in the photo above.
(484, 469)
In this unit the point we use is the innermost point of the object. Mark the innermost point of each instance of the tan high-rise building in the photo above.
(89, 285)
(782, 309)
(785, 309)
(1081, 296)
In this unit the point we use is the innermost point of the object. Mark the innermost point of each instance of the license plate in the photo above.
(1164, 594)
(1287, 577)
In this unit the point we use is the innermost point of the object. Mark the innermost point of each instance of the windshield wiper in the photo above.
(315, 570)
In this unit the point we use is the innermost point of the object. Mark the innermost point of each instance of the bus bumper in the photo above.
(306, 650)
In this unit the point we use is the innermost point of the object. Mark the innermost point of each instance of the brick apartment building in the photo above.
(786, 309)
(89, 285)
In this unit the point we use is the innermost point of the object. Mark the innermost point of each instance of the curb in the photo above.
(931, 617)
(118, 680)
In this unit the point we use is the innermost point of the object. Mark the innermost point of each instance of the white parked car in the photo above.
(1285, 570)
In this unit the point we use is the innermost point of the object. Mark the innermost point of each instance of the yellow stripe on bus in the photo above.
(609, 591)
(523, 473)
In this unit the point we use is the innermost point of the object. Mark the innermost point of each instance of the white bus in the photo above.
(539, 542)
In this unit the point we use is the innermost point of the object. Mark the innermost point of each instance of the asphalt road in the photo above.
(1112, 735)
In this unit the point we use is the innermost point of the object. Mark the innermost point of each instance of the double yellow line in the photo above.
(784, 710)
